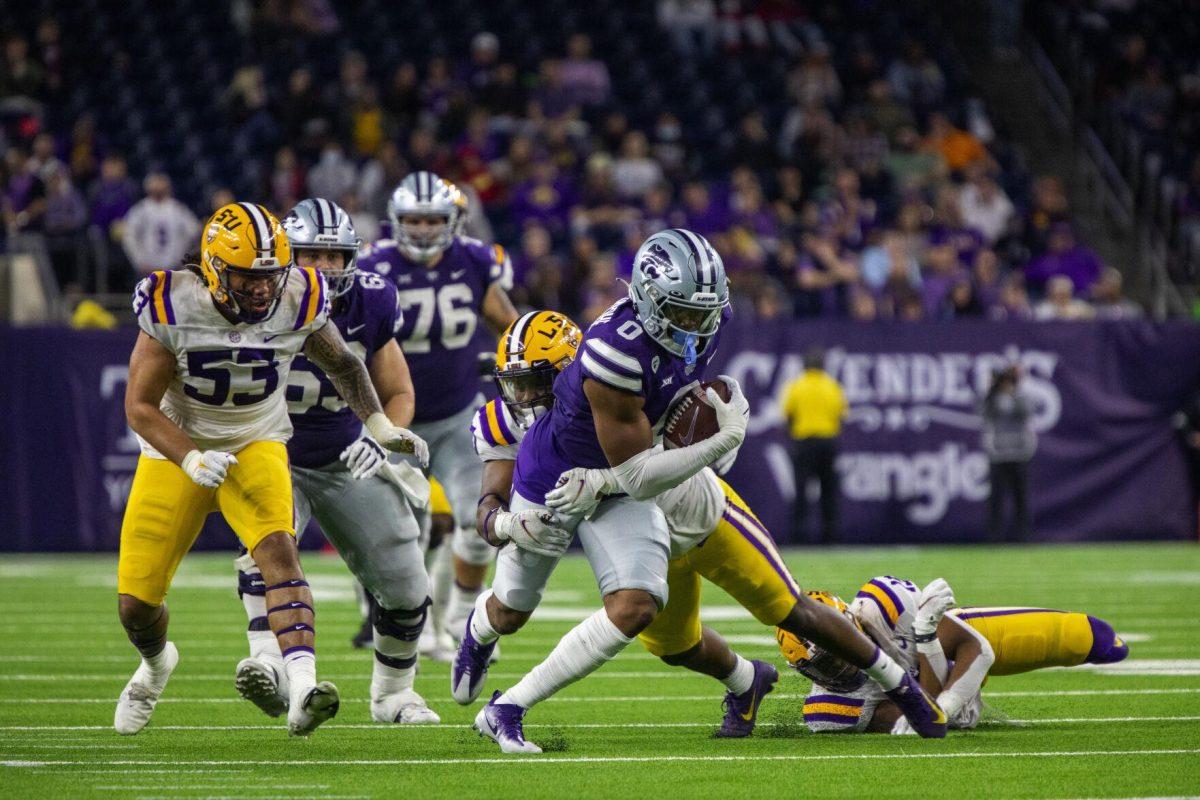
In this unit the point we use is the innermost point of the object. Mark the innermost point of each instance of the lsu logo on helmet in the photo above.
(244, 249)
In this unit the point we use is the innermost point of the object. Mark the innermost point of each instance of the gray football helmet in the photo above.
(320, 224)
(426, 214)
(679, 289)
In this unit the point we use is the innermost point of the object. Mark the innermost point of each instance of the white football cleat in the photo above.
(140, 696)
(319, 705)
(264, 684)
(405, 708)
(436, 646)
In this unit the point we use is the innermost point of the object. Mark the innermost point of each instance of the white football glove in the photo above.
(903, 728)
(208, 468)
(364, 457)
(733, 416)
(935, 600)
(397, 439)
(579, 491)
(533, 530)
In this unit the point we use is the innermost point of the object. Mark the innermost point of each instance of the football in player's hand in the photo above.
(692, 419)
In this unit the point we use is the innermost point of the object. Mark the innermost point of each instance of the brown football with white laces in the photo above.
(693, 419)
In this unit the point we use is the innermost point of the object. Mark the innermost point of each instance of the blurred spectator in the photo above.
(366, 225)
(66, 217)
(889, 261)
(112, 195)
(815, 82)
(814, 406)
(753, 146)
(24, 201)
(1067, 257)
(159, 229)
(1010, 443)
(912, 167)
(585, 79)
(1049, 208)
(43, 160)
(20, 74)
(634, 171)
(1014, 301)
(942, 271)
(479, 74)
(85, 150)
(985, 207)
(287, 179)
(916, 78)
(1108, 300)
(402, 99)
(1061, 303)
(691, 24)
(222, 196)
(958, 148)
(334, 175)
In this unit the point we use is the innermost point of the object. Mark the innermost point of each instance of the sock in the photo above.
(462, 600)
(396, 636)
(156, 666)
(301, 667)
(481, 626)
(441, 579)
(586, 647)
(253, 592)
(884, 671)
(741, 678)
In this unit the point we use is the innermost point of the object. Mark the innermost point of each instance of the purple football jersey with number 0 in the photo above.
(368, 317)
(441, 312)
(618, 353)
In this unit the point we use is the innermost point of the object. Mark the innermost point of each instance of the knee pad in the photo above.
(1107, 647)
(471, 548)
(404, 624)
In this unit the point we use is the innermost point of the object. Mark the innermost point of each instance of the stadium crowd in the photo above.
(864, 183)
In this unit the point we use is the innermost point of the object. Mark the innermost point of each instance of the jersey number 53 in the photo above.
(214, 375)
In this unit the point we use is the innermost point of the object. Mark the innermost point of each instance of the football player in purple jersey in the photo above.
(342, 478)
(447, 283)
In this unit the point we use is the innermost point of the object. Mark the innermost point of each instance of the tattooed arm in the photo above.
(350, 377)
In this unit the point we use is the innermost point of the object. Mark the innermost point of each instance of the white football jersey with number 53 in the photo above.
(228, 388)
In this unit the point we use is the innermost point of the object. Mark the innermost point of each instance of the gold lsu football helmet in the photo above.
(246, 242)
(816, 664)
(531, 353)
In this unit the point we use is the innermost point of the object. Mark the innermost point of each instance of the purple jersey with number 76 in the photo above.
(618, 353)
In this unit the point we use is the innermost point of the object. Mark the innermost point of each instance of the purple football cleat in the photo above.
(741, 710)
(470, 667)
(501, 722)
(922, 711)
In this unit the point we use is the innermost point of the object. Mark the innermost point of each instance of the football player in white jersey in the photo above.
(205, 398)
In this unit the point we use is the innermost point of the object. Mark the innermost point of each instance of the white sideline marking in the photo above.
(639, 698)
(228, 678)
(1149, 666)
(572, 725)
(418, 762)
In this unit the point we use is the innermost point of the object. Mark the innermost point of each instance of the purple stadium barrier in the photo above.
(1108, 466)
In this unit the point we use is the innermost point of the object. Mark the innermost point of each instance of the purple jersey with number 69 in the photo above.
(368, 317)
(618, 353)
(441, 308)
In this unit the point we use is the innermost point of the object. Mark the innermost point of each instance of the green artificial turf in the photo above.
(636, 728)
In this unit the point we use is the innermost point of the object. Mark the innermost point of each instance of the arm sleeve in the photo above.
(650, 473)
(956, 697)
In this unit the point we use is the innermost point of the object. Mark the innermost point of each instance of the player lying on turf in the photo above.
(953, 650)
(341, 477)
(204, 397)
(620, 361)
(448, 285)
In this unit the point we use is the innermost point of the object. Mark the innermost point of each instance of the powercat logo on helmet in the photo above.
(657, 264)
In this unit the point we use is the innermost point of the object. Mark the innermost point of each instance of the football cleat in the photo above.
(436, 645)
(405, 708)
(502, 723)
(470, 667)
(320, 705)
(140, 696)
(922, 711)
(741, 710)
(263, 684)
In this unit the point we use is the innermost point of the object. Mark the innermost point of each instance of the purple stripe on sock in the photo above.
(292, 606)
(167, 298)
(833, 698)
(299, 649)
(775, 565)
(287, 585)
(845, 719)
(299, 626)
(1007, 612)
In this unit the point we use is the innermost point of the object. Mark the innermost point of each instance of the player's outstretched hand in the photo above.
(533, 530)
(935, 600)
(208, 468)
(364, 457)
(733, 416)
(577, 492)
(397, 439)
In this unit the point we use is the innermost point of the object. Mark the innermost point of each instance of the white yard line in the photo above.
(564, 725)
(546, 760)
